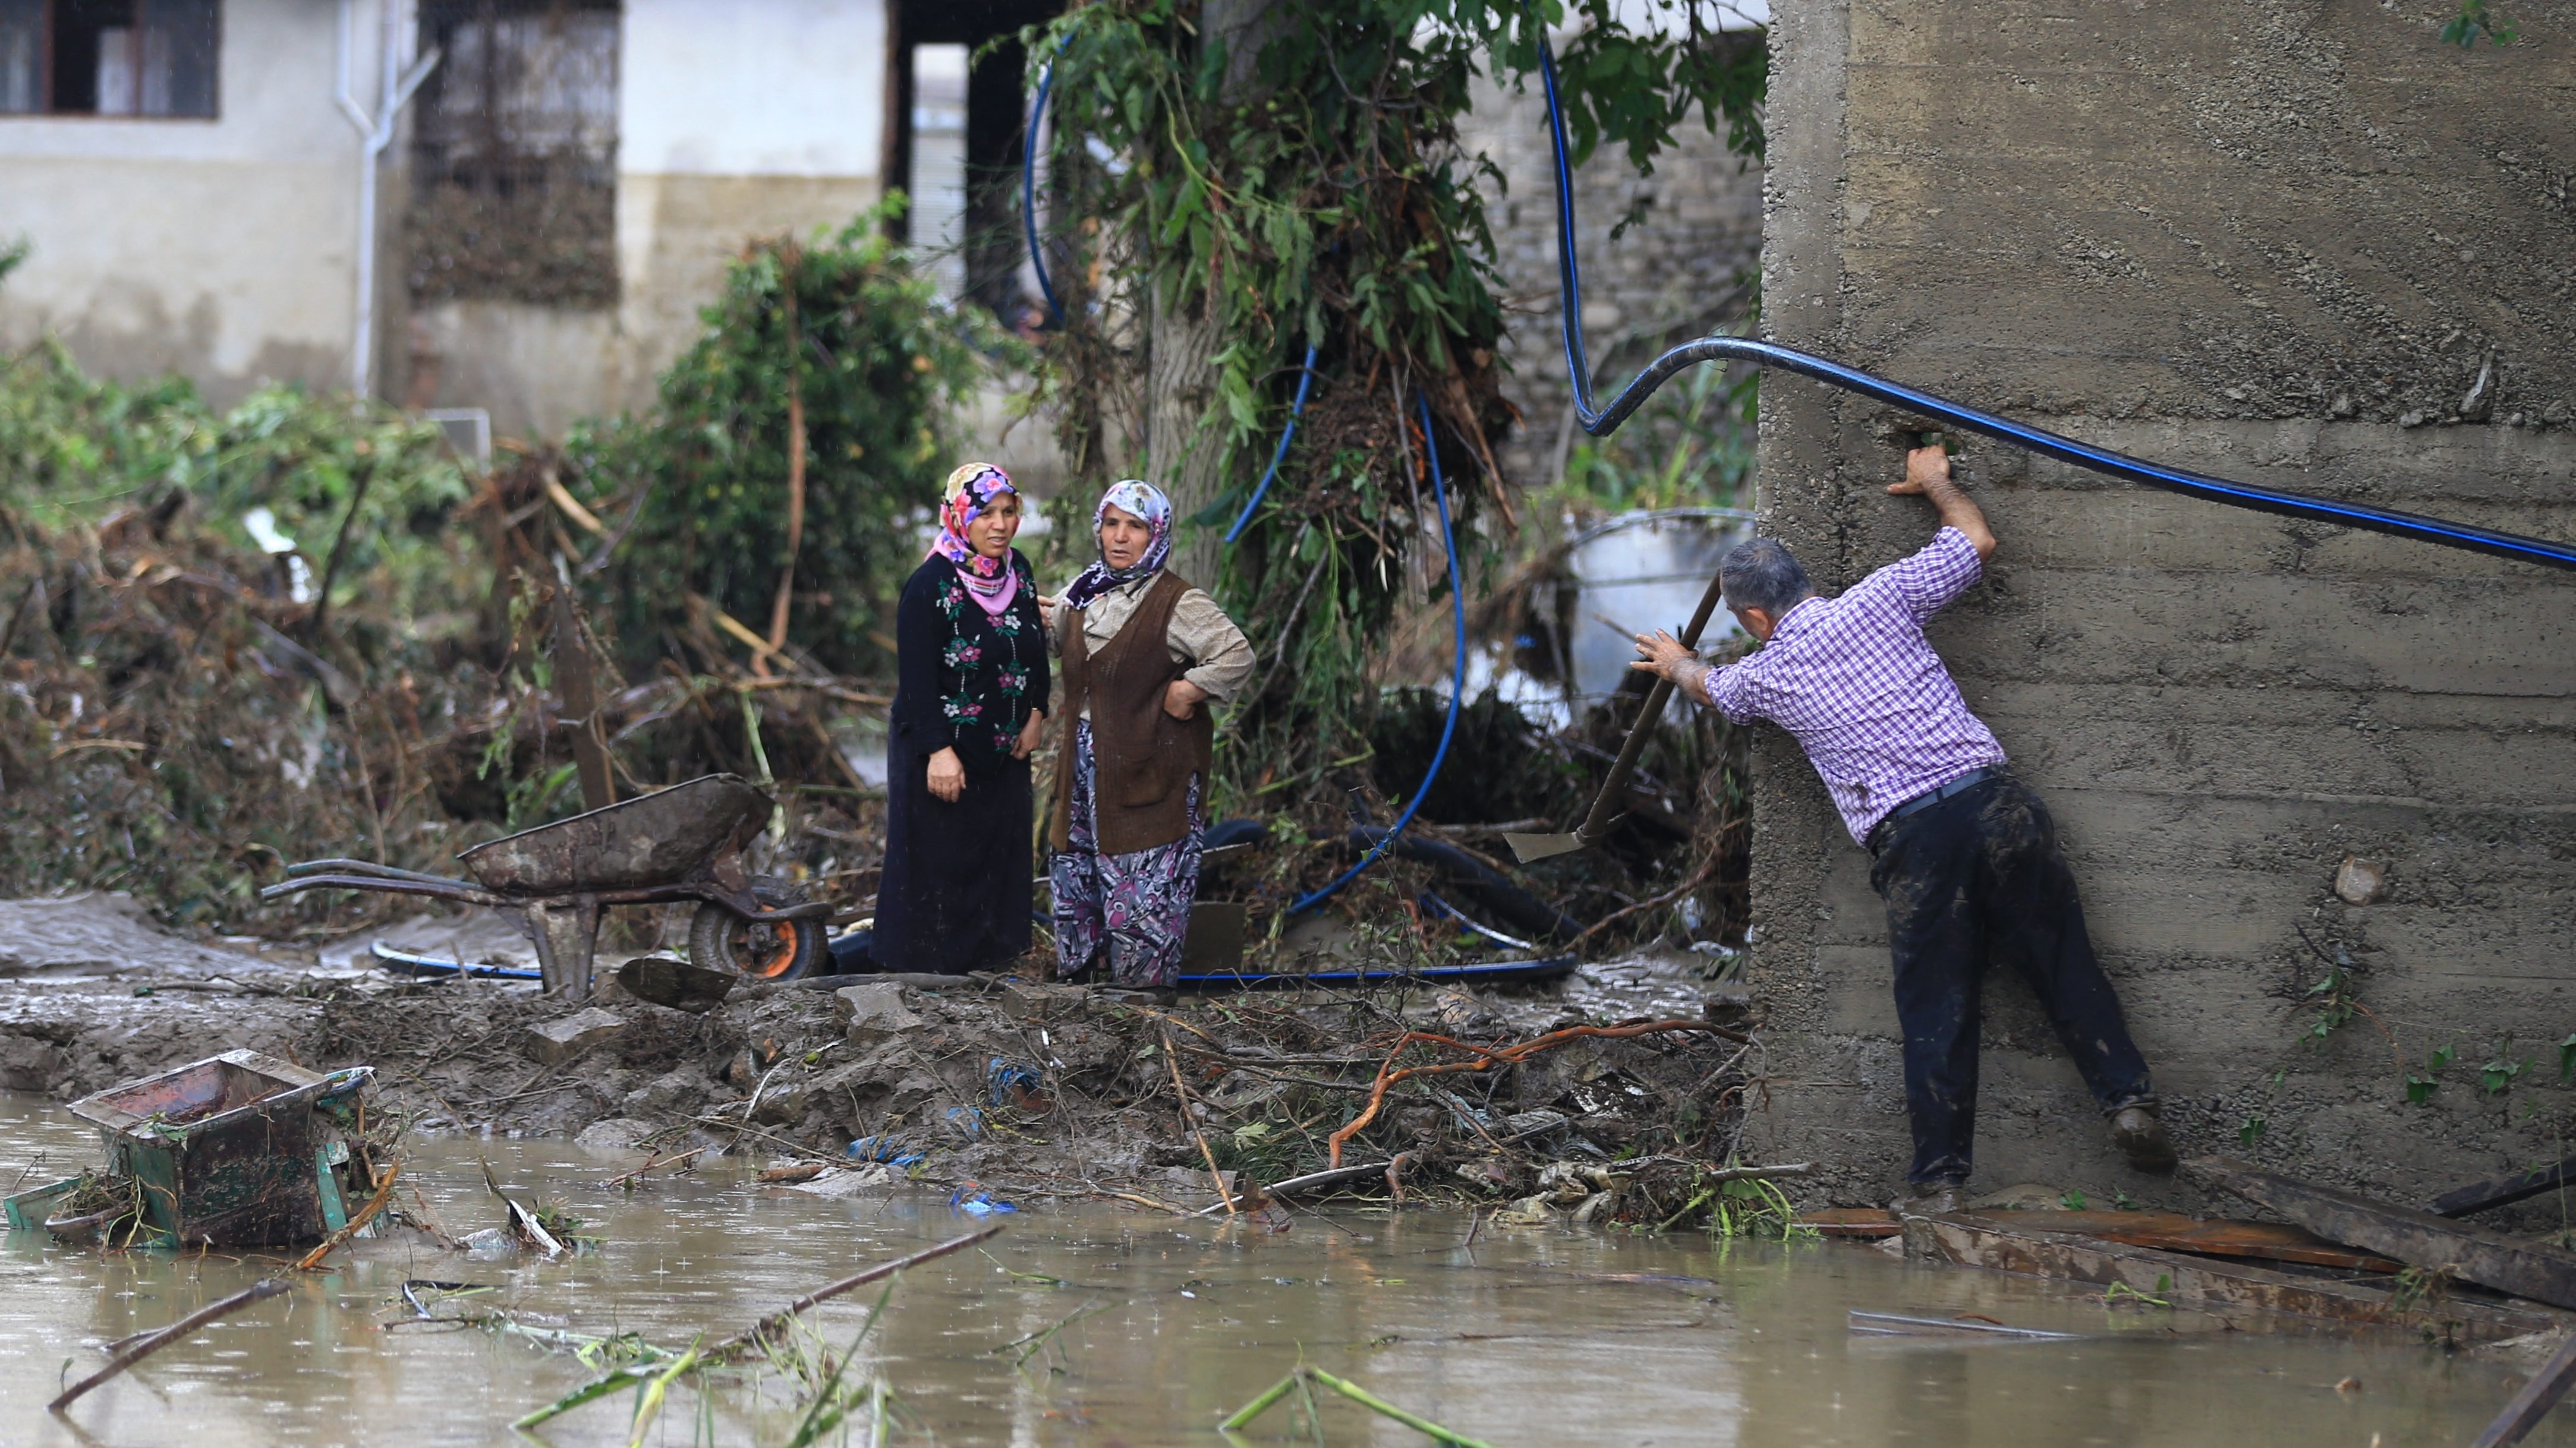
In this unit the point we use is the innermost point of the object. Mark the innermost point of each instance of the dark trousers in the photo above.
(1979, 877)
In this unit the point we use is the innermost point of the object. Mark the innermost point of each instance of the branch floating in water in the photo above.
(154, 1342)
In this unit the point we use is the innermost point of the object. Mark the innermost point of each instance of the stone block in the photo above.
(874, 1012)
(556, 1042)
(2361, 882)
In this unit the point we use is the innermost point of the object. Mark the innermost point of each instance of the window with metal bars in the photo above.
(515, 153)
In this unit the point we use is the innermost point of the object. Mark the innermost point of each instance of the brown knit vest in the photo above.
(1142, 757)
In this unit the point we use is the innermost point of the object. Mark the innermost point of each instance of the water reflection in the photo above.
(1165, 1327)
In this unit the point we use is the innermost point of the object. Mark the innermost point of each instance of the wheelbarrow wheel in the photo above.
(719, 939)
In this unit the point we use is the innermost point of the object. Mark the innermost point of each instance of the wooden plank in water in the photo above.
(2535, 1400)
(2232, 1291)
(2503, 1191)
(2214, 1236)
(2420, 1239)
(1851, 1221)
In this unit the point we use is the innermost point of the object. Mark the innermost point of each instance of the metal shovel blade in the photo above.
(1529, 849)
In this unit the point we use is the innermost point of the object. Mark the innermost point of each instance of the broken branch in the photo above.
(762, 1330)
(145, 1347)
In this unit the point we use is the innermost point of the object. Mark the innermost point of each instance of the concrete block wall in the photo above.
(2300, 244)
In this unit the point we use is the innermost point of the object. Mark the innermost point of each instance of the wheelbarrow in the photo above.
(680, 843)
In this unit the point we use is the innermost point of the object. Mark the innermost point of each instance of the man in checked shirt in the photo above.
(1963, 853)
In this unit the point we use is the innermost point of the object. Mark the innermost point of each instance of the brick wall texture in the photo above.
(1686, 266)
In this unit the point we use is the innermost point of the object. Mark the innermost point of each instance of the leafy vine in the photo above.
(1291, 177)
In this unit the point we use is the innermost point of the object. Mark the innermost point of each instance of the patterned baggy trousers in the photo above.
(1135, 907)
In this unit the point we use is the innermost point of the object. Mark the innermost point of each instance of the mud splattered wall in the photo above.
(2301, 244)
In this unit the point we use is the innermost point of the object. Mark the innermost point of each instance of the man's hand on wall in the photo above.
(1927, 475)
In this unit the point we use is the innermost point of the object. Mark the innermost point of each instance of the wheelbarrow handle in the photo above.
(1605, 805)
(430, 885)
(369, 867)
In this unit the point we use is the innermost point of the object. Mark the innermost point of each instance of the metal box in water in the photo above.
(224, 1151)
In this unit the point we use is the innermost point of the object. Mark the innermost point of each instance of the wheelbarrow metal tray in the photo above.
(653, 839)
(225, 1149)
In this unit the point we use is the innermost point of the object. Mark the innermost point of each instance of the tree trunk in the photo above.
(1181, 448)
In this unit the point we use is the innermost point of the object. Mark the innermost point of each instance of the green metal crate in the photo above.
(229, 1151)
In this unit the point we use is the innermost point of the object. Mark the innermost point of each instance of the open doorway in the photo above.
(953, 139)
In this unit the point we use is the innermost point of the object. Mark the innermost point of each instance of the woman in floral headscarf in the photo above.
(1144, 652)
(969, 705)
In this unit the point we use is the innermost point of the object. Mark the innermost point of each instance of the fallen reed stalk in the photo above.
(1357, 1394)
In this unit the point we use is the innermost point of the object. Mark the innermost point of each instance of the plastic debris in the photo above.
(891, 1150)
(978, 1203)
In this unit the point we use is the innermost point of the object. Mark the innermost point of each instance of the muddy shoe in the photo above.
(1927, 1199)
(2141, 1138)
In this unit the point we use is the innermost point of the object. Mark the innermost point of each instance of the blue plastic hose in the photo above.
(1457, 676)
(1296, 409)
(1029, 190)
(1599, 421)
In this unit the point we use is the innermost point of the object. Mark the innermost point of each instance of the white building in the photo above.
(559, 196)
(555, 201)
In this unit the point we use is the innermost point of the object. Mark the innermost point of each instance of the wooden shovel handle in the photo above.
(1605, 804)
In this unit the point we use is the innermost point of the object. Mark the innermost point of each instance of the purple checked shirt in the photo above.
(1857, 684)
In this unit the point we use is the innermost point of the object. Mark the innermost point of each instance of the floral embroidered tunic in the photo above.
(966, 679)
(955, 894)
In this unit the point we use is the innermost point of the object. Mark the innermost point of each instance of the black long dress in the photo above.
(955, 895)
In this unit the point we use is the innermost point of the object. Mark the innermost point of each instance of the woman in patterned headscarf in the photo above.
(969, 706)
(1143, 653)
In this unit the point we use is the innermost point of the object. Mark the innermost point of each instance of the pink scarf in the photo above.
(991, 582)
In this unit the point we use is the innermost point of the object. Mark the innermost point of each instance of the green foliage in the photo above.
(1746, 1207)
(882, 368)
(1690, 445)
(2072, 1200)
(2334, 996)
(1313, 193)
(2123, 1292)
(2420, 1087)
(12, 253)
(74, 448)
(2474, 20)
(2567, 1059)
(2497, 1075)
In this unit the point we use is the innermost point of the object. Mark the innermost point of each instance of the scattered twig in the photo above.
(1174, 1063)
(767, 1327)
(1145, 1201)
(1395, 1175)
(652, 1159)
(1490, 1057)
(146, 1346)
(1705, 874)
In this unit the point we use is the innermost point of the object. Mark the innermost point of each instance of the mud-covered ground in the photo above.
(1021, 1088)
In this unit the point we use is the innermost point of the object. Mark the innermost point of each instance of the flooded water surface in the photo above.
(1088, 1324)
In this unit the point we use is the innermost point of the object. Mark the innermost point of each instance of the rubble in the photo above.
(556, 1042)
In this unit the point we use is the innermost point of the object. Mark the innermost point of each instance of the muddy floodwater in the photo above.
(1522, 1337)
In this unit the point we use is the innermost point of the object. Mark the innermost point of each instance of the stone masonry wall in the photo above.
(2295, 242)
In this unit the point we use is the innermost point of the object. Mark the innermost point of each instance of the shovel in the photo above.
(1530, 848)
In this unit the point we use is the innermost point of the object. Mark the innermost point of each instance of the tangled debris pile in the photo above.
(1028, 1090)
